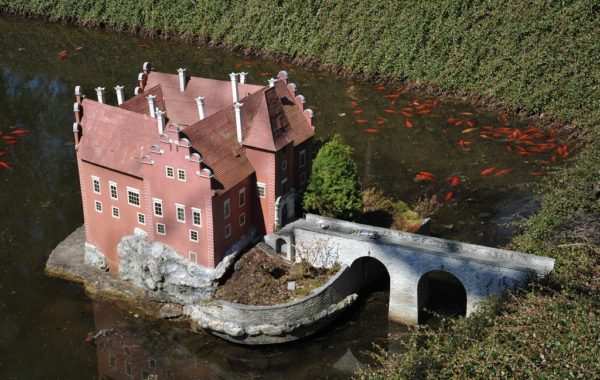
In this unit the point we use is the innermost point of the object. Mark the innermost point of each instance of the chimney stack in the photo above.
(238, 121)
(272, 82)
(181, 72)
(119, 90)
(243, 77)
(308, 115)
(146, 67)
(76, 134)
(151, 105)
(160, 116)
(292, 88)
(283, 75)
(142, 80)
(76, 110)
(300, 100)
(100, 93)
(78, 94)
(137, 91)
(234, 88)
(201, 109)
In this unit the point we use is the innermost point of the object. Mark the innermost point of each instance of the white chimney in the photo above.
(201, 110)
(119, 90)
(100, 93)
(243, 77)
(160, 116)
(76, 109)
(78, 94)
(234, 88)
(272, 82)
(238, 121)
(181, 79)
(137, 91)
(146, 67)
(151, 105)
(142, 80)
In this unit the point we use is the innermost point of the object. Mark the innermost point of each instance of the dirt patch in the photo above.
(259, 278)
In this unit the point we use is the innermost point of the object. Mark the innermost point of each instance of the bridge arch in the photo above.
(367, 270)
(440, 292)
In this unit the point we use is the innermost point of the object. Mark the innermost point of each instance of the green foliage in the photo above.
(334, 189)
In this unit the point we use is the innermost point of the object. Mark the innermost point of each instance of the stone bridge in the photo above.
(410, 261)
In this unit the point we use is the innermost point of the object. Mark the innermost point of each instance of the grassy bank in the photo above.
(538, 56)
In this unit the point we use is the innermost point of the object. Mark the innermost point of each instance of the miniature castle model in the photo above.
(196, 163)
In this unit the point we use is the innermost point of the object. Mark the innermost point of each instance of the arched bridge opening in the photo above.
(440, 293)
(369, 275)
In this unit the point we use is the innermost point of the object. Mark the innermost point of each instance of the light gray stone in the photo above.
(94, 258)
(171, 310)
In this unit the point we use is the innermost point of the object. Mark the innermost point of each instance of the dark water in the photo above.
(44, 322)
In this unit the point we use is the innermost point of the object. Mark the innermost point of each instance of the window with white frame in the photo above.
(194, 235)
(302, 158)
(161, 229)
(196, 217)
(226, 208)
(113, 190)
(242, 196)
(115, 212)
(242, 219)
(302, 178)
(261, 189)
(180, 210)
(284, 164)
(96, 184)
(158, 207)
(228, 230)
(141, 218)
(133, 196)
(181, 174)
(98, 206)
(193, 256)
(169, 172)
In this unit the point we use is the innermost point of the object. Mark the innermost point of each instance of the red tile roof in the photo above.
(115, 138)
(139, 103)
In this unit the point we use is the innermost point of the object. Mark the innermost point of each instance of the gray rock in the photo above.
(171, 310)
(94, 258)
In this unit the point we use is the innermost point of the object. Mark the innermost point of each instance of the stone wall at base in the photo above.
(94, 258)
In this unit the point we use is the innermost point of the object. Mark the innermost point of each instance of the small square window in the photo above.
(116, 212)
(180, 213)
(226, 208)
(98, 205)
(133, 197)
(196, 217)
(141, 218)
(161, 229)
(284, 164)
(113, 190)
(194, 235)
(261, 188)
(181, 174)
(158, 207)
(170, 172)
(242, 219)
(302, 178)
(193, 257)
(228, 230)
(96, 184)
(242, 196)
(302, 158)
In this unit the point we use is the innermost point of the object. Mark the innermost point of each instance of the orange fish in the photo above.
(466, 113)
(423, 112)
(502, 172)
(449, 196)
(422, 106)
(20, 131)
(463, 144)
(357, 112)
(470, 123)
(2, 163)
(362, 121)
(143, 45)
(354, 103)
(406, 114)
(393, 96)
(389, 111)
(3, 153)
(63, 54)
(455, 181)
(484, 135)
(458, 123)
(452, 120)
(468, 130)
(409, 124)
(537, 173)
(371, 130)
(380, 122)
(247, 62)
(552, 132)
(8, 138)
(379, 88)
(313, 107)
(427, 174)
(424, 178)
(488, 171)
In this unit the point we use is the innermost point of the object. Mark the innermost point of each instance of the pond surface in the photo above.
(396, 135)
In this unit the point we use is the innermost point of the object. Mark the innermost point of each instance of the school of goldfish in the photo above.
(12, 137)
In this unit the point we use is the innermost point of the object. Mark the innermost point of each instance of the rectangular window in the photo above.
(181, 174)
(302, 178)
(161, 229)
(141, 218)
(284, 164)
(196, 217)
(193, 235)
(261, 188)
(158, 207)
(180, 213)
(113, 362)
(115, 212)
(226, 208)
(98, 205)
(133, 196)
(113, 190)
(170, 172)
(152, 363)
(302, 158)
(128, 369)
(193, 257)
(242, 196)
(228, 230)
(96, 184)
(242, 219)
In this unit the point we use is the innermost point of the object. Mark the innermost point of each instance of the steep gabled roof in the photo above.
(139, 103)
(115, 138)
